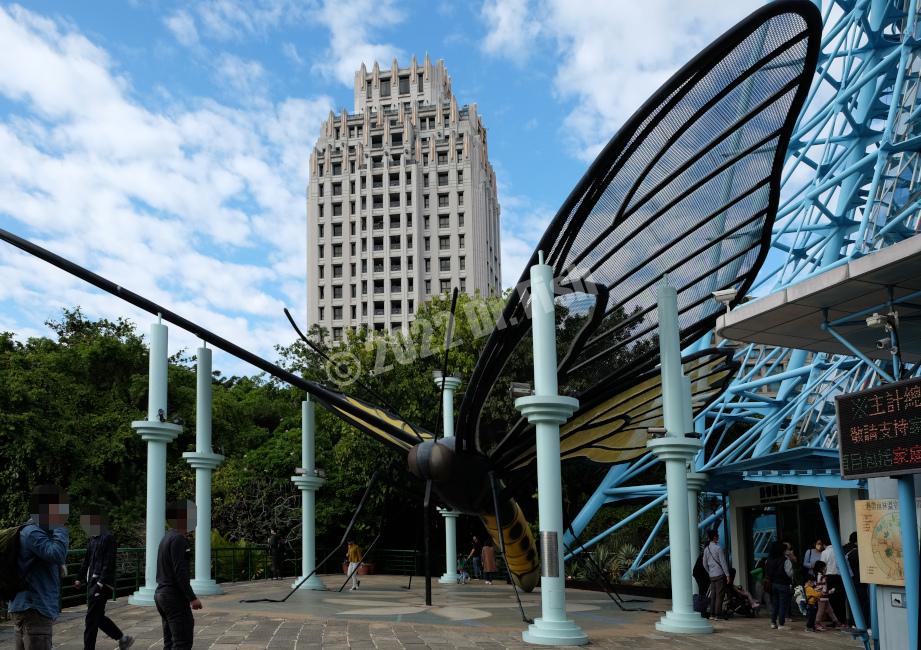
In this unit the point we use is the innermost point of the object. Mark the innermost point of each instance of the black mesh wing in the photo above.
(688, 187)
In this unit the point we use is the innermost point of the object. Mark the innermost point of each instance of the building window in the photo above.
(419, 82)
(462, 261)
(337, 250)
(337, 312)
(321, 272)
(364, 287)
(463, 284)
(428, 286)
(460, 241)
(352, 229)
(409, 243)
(409, 263)
(337, 187)
(409, 284)
(404, 85)
(394, 263)
(337, 291)
(409, 198)
(425, 201)
(378, 287)
(320, 251)
(396, 139)
(444, 264)
(444, 242)
(364, 309)
(337, 270)
(320, 171)
(364, 266)
(337, 230)
(460, 198)
(442, 157)
(428, 265)
(442, 179)
(394, 242)
(395, 308)
(354, 312)
(322, 292)
(337, 333)
(425, 244)
(460, 219)
(322, 312)
(385, 87)
(378, 266)
(443, 201)
(444, 221)
(460, 176)
(378, 308)
(352, 250)
(425, 177)
(320, 208)
(320, 188)
(337, 209)
(378, 201)
(394, 199)
(395, 285)
(320, 231)
(409, 220)
(378, 244)
(425, 222)
(445, 286)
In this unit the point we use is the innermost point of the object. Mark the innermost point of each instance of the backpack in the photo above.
(11, 581)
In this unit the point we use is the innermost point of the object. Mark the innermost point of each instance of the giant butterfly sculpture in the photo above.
(689, 188)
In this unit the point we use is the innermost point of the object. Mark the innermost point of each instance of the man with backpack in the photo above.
(40, 550)
(97, 574)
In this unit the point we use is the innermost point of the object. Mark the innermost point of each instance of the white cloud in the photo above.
(349, 23)
(512, 28)
(246, 78)
(182, 25)
(196, 205)
(291, 53)
(610, 55)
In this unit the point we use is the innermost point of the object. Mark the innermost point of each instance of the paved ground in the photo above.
(384, 615)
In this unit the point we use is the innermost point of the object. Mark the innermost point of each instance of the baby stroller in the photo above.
(463, 573)
(737, 601)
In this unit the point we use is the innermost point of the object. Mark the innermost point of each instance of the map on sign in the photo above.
(879, 430)
(879, 542)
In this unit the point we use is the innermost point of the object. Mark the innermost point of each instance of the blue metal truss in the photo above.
(851, 185)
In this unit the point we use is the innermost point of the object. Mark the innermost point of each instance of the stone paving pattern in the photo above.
(384, 615)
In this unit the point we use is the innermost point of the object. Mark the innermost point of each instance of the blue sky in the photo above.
(165, 144)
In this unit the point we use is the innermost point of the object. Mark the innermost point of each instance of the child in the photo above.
(462, 576)
(813, 596)
(825, 608)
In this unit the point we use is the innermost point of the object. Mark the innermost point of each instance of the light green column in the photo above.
(546, 409)
(675, 450)
(696, 483)
(451, 384)
(157, 435)
(204, 461)
(308, 483)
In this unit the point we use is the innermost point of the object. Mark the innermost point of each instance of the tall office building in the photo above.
(401, 202)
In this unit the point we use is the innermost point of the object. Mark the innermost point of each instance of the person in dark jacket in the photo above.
(778, 570)
(97, 573)
(174, 596)
(42, 552)
(275, 553)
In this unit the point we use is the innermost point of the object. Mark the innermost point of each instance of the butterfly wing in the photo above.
(688, 187)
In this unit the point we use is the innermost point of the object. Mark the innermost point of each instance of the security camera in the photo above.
(877, 320)
(520, 389)
(883, 343)
(725, 296)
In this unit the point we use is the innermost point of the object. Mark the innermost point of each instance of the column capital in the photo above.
(203, 459)
(447, 513)
(450, 383)
(308, 483)
(553, 409)
(153, 431)
(674, 448)
(697, 481)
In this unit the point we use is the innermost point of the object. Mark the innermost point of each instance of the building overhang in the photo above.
(842, 297)
(807, 466)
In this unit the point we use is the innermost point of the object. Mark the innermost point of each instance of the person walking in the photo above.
(42, 551)
(836, 595)
(489, 560)
(174, 597)
(852, 557)
(825, 608)
(718, 570)
(476, 551)
(97, 574)
(778, 571)
(353, 555)
(811, 556)
(275, 553)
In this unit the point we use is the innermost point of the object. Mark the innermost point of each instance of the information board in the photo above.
(879, 430)
(879, 541)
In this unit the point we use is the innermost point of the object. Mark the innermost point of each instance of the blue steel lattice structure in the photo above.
(850, 187)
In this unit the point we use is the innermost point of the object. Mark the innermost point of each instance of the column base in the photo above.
(449, 579)
(690, 623)
(143, 597)
(313, 583)
(206, 588)
(566, 632)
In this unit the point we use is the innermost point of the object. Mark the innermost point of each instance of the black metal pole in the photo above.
(426, 533)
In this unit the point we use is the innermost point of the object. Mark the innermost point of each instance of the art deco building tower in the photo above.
(401, 202)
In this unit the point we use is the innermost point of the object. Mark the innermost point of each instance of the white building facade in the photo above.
(401, 203)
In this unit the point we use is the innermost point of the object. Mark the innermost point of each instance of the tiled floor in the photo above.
(385, 615)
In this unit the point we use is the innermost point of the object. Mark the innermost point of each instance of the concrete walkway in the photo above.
(383, 614)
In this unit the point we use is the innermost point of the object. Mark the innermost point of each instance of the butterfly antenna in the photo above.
(373, 393)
